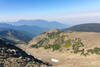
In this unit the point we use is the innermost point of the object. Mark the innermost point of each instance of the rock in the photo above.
(12, 56)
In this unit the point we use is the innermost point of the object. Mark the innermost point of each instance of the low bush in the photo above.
(68, 44)
(96, 50)
(34, 46)
(56, 47)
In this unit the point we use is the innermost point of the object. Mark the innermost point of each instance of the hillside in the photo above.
(69, 48)
(13, 36)
(12, 56)
(89, 27)
(63, 41)
(30, 31)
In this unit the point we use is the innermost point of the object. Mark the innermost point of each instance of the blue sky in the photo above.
(57, 10)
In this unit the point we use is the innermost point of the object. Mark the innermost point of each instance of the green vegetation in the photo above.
(68, 44)
(48, 46)
(34, 46)
(56, 47)
(53, 35)
(77, 44)
(57, 41)
(96, 50)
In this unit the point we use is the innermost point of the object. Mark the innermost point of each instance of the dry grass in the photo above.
(66, 59)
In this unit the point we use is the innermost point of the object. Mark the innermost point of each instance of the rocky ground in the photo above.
(12, 56)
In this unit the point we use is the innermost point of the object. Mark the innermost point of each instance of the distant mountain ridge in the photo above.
(88, 27)
(41, 24)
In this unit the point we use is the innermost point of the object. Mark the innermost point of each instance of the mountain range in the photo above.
(27, 29)
(41, 24)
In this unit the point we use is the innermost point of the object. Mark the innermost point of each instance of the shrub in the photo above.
(77, 44)
(34, 46)
(48, 46)
(68, 44)
(96, 50)
(56, 47)
(40, 43)
(90, 51)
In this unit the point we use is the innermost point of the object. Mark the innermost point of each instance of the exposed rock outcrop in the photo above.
(12, 56)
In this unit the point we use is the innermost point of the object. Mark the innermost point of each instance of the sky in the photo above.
(64, 11)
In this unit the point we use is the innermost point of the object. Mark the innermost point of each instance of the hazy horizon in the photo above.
(64, 11)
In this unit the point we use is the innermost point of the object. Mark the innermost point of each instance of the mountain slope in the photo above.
(14, 36)
(66, 41)
(12, 56)
(89, 27)
(5, 25)
(31, 31)
(69, 48)
(57, 40)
